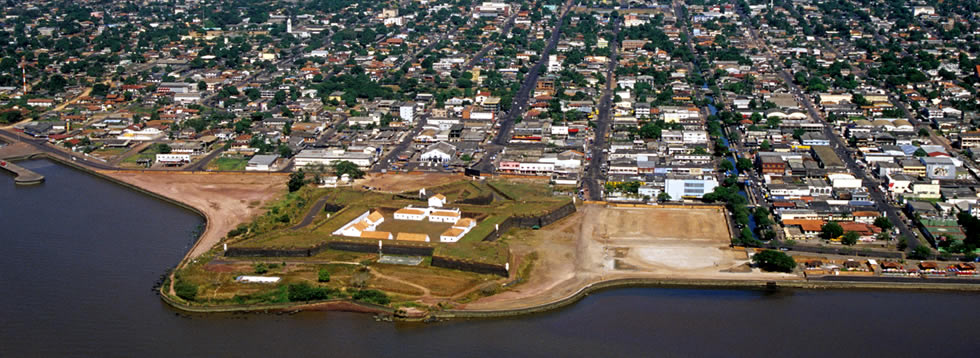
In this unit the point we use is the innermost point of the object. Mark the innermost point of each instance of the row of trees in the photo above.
(298, 178)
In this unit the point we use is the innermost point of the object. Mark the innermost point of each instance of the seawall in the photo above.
(701, 284)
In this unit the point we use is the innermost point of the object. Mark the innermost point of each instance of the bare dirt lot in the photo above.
(226, 199)
(601, 243)
(398, 183)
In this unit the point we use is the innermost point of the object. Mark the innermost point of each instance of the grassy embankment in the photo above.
(212, 277)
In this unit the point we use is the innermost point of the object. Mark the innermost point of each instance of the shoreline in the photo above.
(167, 296)
(104, 176)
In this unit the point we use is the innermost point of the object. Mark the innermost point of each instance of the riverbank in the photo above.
(169, 186)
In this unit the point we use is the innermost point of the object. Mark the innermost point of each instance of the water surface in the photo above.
(81, 256)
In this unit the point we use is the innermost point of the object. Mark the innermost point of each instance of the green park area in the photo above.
(148, 154)
(228, 164)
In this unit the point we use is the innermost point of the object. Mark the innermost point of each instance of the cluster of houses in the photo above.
(366, 225)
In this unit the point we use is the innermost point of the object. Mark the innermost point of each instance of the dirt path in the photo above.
(426, 293)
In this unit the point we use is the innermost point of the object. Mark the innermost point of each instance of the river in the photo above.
(81, 256)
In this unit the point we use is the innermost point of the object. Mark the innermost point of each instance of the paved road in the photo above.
(41, 145)
(503, 35)
(520, 99)
(201, 163)
(315, 209)
(604, 120)
(392, 154)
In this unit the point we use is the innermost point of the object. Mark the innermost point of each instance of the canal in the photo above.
(81, 256)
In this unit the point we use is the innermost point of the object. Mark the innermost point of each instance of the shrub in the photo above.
(304, 292)
(772, 260)
(185, 290)
(241, 229)
(371, 296)
(323, 276)
(261, 268)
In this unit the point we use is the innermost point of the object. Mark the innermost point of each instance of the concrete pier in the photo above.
(23, 175)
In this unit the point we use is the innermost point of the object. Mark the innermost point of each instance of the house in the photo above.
(810, 228)
(409, 236)
(444, 215)
(173, 158)
(465, 224)
(452, 234)
(441, 152)
(375, 219)
(411, 213)
(437, 201)
(356, 229)
(262, 162)
(40, 102)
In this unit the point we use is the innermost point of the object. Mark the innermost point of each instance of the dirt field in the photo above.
(397, 183)
(599, 243)
(689, 224)
(226, 200)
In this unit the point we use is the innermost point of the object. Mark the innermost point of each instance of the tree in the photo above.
(202, 86)
(296, 180)
(164, 148)
(346, 167)
(923, 132)
(323, 275)
(726, 166)
(920, 153)
(743, 164)
(850, 238)
(921, 252)
(663, 196)
(776, 261)
(903, 243)
(745, 236)
(765, 145)
(884, 223)
(831, 230)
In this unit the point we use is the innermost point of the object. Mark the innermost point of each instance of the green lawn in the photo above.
(488, 252)
(148, 153)
(228, 164)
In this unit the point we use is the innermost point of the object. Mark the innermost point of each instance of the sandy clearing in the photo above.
(226, 200)
(398, 183)
(598, 243)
